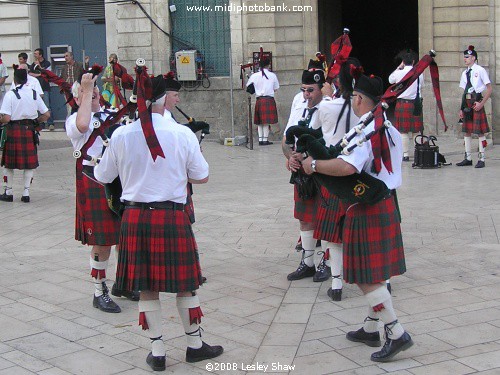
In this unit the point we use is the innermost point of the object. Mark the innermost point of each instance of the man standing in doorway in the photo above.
(35, 71)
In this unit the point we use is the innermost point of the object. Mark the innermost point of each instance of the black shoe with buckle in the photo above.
(25, 198)
(104, 301)
(205, 352)
(261, 143)
(7, 197)
(392, 347)
(368, 338)
(480, 164)
(464, 163)
(302, 271)
(156, 363)
(323, 272)
(133, 296)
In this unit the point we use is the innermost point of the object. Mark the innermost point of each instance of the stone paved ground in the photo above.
(449, 299)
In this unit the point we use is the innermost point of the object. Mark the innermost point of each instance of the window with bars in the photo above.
(203, 25)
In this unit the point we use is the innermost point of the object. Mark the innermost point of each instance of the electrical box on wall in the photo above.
(185, 64)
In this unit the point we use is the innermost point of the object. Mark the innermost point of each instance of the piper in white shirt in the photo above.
(19, 111)
(408, 111)
(372, 241)
(158, 250)
(477, 90)
(266, 113)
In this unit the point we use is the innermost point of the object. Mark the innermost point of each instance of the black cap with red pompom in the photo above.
(371, 86)
(20, 75)
(171, 83)
(94, 69)
(470, 51)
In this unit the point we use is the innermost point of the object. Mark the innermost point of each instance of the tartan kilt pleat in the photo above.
(478, 124)
(329, 217)
(265, 111)
(95, 223)
(20, 151)
(158, 252)
(304, 210)
(373, 245)
(405, 121)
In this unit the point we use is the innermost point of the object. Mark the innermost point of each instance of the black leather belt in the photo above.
(167, 205)
(263, 96)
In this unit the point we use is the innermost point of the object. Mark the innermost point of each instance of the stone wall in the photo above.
(19, 32)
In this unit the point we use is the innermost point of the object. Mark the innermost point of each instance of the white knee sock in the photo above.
(190, 314)
(381, 302)
(260, 130)
(482, 141)
(335, 250)
(309, 245)
(371, 321)
(405, 144)
(467, 144)
(266, 132)
(150, 317)
(98, 273)
(28, 178)
(8, 179)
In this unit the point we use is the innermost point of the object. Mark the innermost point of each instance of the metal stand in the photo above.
(250, 129)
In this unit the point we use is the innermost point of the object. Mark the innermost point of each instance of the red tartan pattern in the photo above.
(20, 151)
(405, 121)
(265, 111)
(95, 223)
(304, 210)
(478, 124)
(373, 247)
(158, 252)
(329, 217)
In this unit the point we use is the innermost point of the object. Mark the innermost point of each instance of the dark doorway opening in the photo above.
(379, 30)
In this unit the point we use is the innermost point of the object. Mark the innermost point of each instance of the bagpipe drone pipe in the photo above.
(363, 187)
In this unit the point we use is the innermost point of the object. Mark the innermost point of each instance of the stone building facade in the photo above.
(446, 26)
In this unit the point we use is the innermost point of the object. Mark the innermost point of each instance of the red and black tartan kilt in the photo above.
(158, 252)
(304, 210)
(478, 124)
(329, 217)
(95, 223)
(20, 151)
(265, 111)
(405, 121)
(373, 245)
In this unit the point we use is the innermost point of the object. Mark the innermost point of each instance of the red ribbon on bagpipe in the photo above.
(144, 92)
(65, 87)
(340, 50)
(126, 79)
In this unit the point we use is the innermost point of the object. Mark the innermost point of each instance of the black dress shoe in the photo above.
(261, 143)
(323, 272)
(335, 294)
(464, 163)
(480, 164)
(369, 338)
(301, 272)
(392, 347)
(406, 158)
(105, 303)
(7, 198)
(205, 352)
(133, 296)
(25, 198)
(156, 363)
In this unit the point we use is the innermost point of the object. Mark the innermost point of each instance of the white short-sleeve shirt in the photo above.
(479, 78)
(25, 108)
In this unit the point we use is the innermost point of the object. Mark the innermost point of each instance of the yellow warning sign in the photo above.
(185, 60)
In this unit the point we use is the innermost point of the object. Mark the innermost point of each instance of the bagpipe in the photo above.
(363, 187)
(195, 126)
(104, 129)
